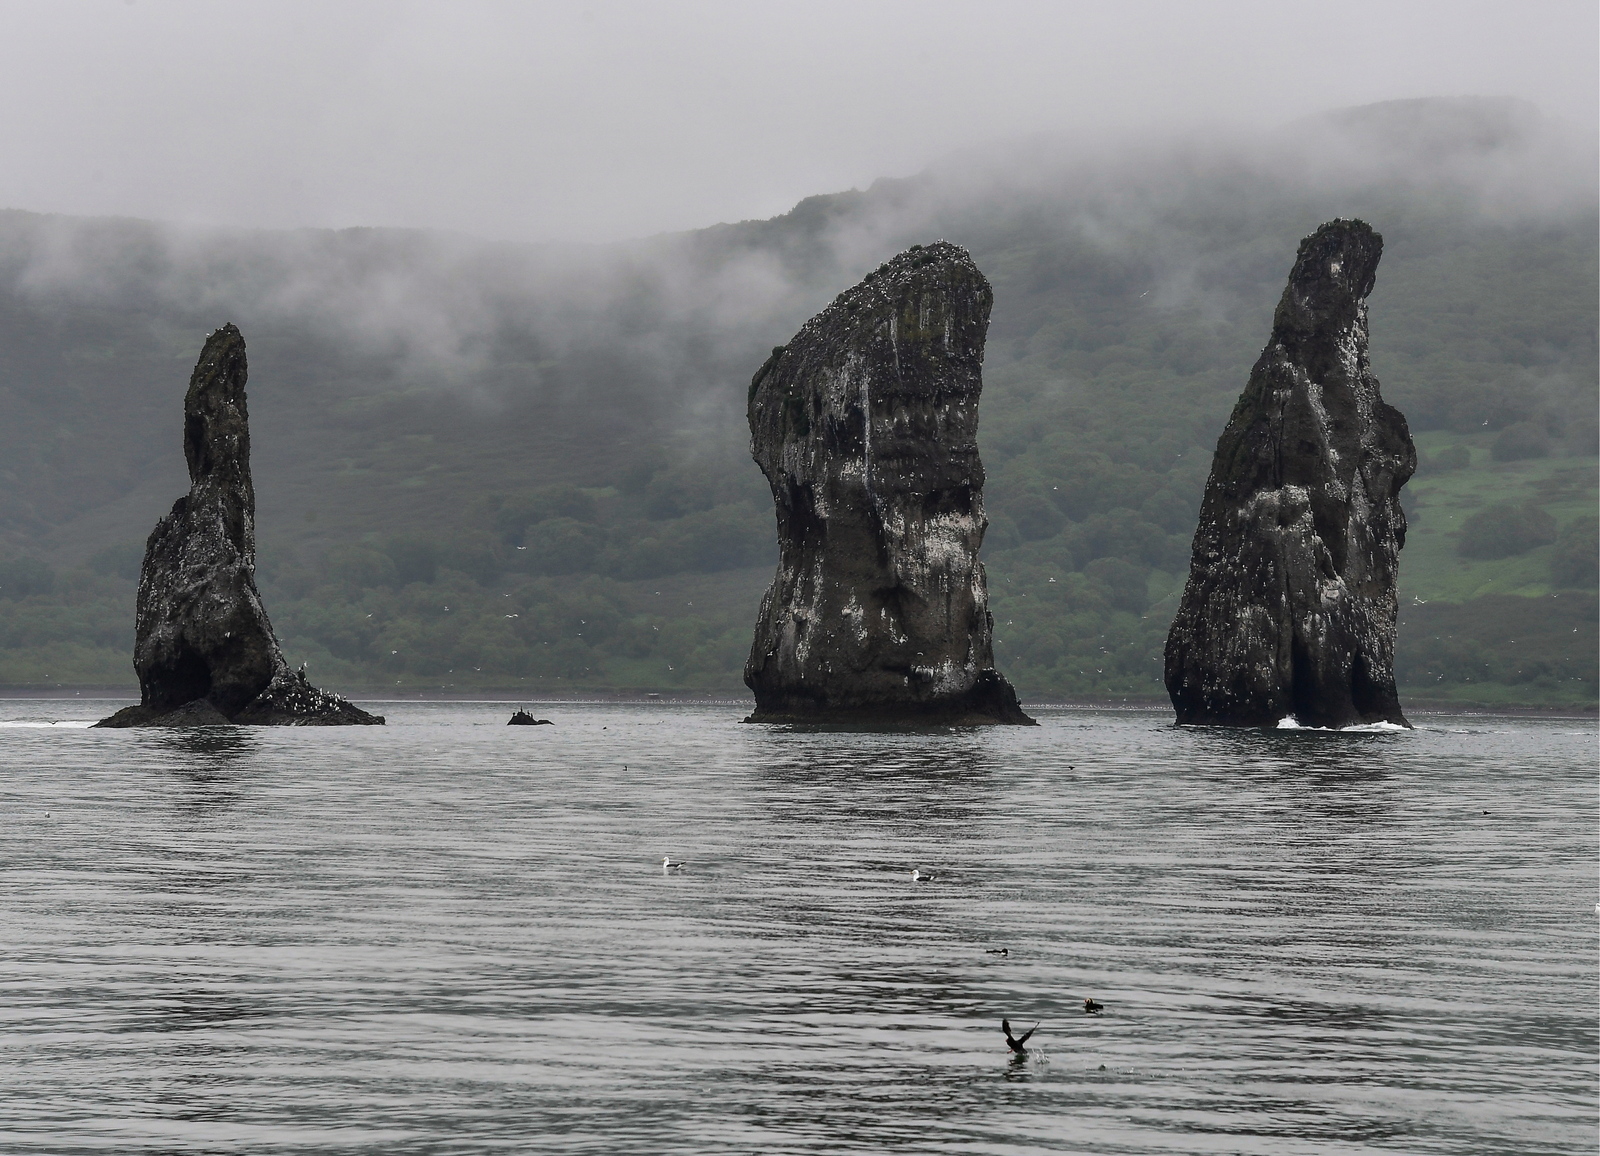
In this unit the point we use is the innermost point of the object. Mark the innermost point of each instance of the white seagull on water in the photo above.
(668, 866)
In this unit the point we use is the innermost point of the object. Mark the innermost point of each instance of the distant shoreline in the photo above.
(724, 698)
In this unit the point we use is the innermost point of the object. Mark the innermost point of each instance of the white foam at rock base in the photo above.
(1289, 723)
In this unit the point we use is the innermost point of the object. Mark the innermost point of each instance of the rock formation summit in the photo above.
(865, 425)
(203, 648)
(1290, 606)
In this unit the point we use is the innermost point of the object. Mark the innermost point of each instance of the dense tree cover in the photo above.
(1575, 563)
(1504, 530)
(1501, 648)
(508, 466)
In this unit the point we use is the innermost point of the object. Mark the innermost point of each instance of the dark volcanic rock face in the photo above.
(865, 425)
(1290, 604)
(203, 649)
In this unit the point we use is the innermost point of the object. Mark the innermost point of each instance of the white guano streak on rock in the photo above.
(949, 676)
(856, 615)
(1314, 400)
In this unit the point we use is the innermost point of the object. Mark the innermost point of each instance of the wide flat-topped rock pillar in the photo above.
(204, 650)
(865, 425)
(1289, 610)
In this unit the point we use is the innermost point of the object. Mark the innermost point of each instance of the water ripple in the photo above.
(451, 936)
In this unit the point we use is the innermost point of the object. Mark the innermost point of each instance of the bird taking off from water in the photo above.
(1012, 1041)
(669, 865)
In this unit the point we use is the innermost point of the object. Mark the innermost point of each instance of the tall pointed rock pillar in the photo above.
(1290, 606)
(866, 425)
(203, 648)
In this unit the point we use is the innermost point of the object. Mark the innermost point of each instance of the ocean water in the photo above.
(453, 936)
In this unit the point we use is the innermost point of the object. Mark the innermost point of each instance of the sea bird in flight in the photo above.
(1012, 1042)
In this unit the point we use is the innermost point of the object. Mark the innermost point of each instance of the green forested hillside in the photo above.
(486, 466)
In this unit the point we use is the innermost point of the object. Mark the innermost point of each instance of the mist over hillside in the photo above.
(478, 463)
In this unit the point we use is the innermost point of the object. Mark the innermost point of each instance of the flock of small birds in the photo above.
(1091, 1007)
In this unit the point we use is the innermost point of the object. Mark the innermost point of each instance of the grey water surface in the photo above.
(448, 935)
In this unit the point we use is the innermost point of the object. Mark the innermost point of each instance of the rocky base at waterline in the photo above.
(523, 719)
(1290, 606)
(989, 702)
(865, 426)
(288, 701)
(204, 650)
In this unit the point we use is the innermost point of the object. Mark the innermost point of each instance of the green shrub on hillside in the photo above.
(1505, 530)
(1520, 441)
(1576, 562)
(516, 514)
(122, 560)
(1123, 585)
(562, 546)
(415, 558)
(1543, 646)
(21, 577)
(360, 567)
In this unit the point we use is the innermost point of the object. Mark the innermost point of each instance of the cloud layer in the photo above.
(608, 120)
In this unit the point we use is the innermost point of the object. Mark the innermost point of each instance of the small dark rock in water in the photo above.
(865, 425)
(1290, 605)
(523, 719)
(203, 648)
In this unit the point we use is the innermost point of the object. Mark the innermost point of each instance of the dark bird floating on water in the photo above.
(668, 866)
(1092, 1008)
(997, 951)
(1012, 1042)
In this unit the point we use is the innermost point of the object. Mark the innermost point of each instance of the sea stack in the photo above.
(203, 648)
(1289, 611)
(866, 425)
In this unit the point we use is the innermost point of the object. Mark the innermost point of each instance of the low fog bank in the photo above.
(621, 346)
(496, 322)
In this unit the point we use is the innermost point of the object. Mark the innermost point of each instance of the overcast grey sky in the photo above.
(599, 120)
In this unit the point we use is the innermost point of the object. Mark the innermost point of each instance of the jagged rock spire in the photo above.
(1290, 605)
(203, 647)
